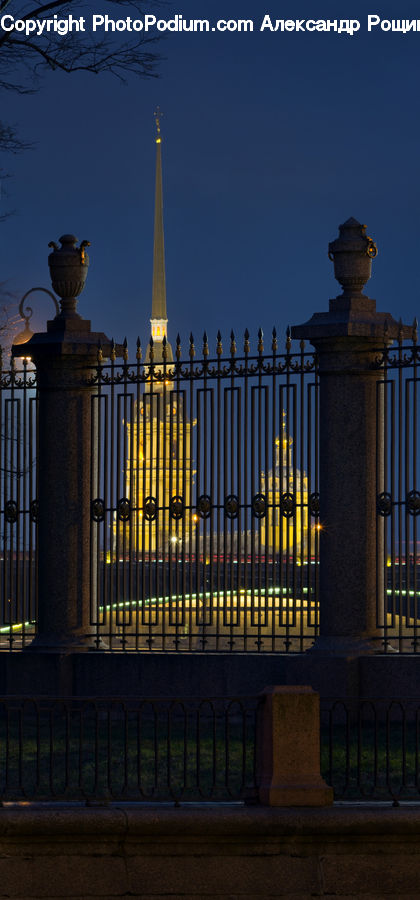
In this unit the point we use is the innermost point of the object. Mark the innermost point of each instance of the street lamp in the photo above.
(27, 332)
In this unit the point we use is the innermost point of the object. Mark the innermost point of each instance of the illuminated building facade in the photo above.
(284, 529)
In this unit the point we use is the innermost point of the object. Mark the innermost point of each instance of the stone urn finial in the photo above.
(68, 268)
(352, 253)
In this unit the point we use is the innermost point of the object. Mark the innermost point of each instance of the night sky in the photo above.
(269, 142)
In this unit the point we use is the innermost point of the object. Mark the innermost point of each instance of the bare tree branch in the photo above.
(9, 318)
(23, 60)
(76, 51)
(10, 142)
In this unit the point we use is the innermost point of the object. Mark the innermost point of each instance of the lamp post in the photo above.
(27, 332)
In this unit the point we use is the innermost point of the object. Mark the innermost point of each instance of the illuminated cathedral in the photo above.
(284, 528)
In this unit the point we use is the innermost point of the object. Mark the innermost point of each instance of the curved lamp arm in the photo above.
(27, 332)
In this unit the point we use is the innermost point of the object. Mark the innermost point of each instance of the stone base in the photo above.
(64, 644)
(314, 794)
(346, 646)
(202, 853)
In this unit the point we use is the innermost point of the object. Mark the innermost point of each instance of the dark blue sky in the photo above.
(270, 141)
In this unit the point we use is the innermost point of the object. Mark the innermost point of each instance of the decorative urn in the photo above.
(68, 269)
(352, 253)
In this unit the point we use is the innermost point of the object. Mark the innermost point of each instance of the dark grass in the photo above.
(372, 761)
(73, 756)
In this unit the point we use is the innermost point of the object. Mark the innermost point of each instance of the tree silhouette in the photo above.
(24, 60)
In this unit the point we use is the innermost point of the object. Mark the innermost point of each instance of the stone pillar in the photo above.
(347, 339)
(62, 356)
(288, 749)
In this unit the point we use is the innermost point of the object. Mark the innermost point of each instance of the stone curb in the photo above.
(126, 821)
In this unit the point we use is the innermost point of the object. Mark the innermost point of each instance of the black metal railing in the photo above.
(370, 749)
(104, 749)
(205, 501)
(398, 497)
(18, 504)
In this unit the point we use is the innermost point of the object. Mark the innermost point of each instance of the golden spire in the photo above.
(158, 115)
(159, 281)
(159, 315)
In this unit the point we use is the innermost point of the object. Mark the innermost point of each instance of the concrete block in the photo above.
(398, 873)
(209, 875)
(27, 871)
(288, 749)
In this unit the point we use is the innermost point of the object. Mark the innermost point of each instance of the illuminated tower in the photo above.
(159, 319)
(159, 470)
(285, 484)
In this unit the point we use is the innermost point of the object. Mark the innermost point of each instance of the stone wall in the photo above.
(201, 675)
(199, 852)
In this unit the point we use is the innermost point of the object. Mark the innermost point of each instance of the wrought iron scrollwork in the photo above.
(204, 506)
(34, 511)
(314, 504)
(176, 507)
(384, 504)
(413, 503)
(123, 509)
(194, 369)
(10, 511)
(259, 506)
(150, 508)
(97, 508)
(287, 505)
(232, 506)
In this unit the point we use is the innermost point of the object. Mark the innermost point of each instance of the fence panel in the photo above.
(370, 749)
(398, 497)
(18, 506)
(150, 750)
(205, 502)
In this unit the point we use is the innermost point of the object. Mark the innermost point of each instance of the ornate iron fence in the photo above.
(370, 749)
(104, 749)
(398, 497)
(18, 505)
(205, 501)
